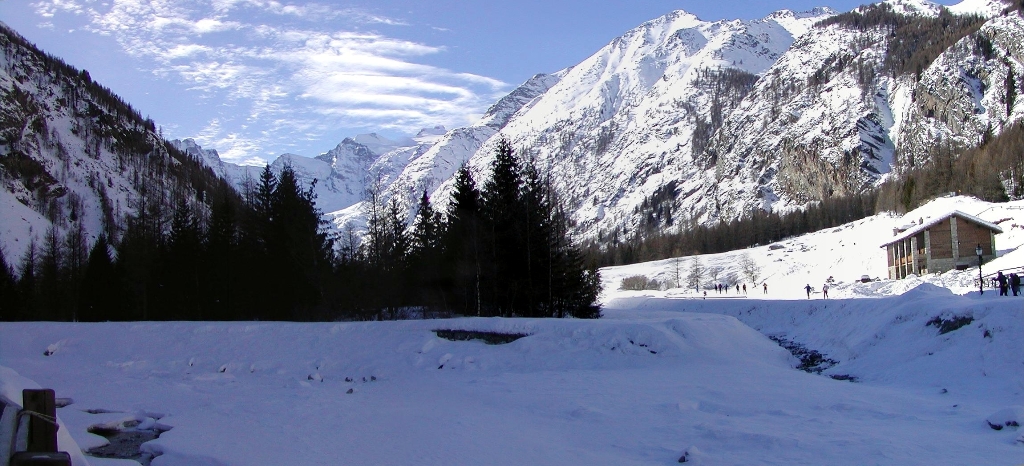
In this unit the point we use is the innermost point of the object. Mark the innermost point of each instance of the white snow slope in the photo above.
(665, 374)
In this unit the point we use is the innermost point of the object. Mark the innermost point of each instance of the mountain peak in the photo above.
(914, 7)
(799, 22)
(438, 130)
(986, 8)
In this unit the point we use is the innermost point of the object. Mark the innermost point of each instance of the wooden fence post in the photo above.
(42, 430)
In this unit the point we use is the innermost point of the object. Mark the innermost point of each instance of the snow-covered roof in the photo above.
(934, 221)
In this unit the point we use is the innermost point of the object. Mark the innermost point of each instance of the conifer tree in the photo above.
(51, 297)
(28, 281)
(183, 261)
(396, 271)
(76, 253)
(503, 214)
(100, 286)
(426, 254)
(462, 245)
(575, 286)
(539, 241)
(7, 289)
(400, 243)
(300, 248)
(221, 247)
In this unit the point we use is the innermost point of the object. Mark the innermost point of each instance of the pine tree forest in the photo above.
(500, 250)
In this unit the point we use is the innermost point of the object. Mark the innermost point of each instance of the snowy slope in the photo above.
(619, 125)
(73, 156)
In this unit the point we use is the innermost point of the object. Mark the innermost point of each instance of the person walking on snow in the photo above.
(1002, 283)
(808, 288)
(765, 285)
(745, 289)
(824, 290)
(1015, 283)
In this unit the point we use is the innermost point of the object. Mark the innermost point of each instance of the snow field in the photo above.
(664, 375)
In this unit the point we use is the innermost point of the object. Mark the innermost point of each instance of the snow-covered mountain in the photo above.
(710, 120)
(77, 160)
(717, 118)
(713, 119)
(830, 119)
(704, 121)
(402, 169)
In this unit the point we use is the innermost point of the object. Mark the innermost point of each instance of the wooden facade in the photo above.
(942, 244)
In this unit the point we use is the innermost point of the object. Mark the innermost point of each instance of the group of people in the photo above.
(723, 288)
(1008, 282)
(824, 290)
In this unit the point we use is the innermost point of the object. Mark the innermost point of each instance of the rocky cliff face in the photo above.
(968, 92)
(836, 114)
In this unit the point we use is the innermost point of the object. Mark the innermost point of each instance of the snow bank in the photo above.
(11, 386)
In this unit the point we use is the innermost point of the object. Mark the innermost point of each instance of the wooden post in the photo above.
(28, 458)
(42, 432)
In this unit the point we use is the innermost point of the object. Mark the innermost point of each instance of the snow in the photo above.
(985, 8)
(19, 224)
(665, 373)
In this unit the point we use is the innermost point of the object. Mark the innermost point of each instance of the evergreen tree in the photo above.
(399, 243)
(426, 233)
(51, 297)
(462, 245)
(398, 248)
(299, 249)
(183, 261)
(76, 253)
(221, 248)
(139, 264)
(426, 254)
(540, 245)
(100, 286)
(575, 286)
(503, 215)
(28, 281)
(8, 289)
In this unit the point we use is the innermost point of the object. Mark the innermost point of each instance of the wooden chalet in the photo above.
(940, 244)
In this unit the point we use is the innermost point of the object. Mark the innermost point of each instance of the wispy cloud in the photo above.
(286, 70)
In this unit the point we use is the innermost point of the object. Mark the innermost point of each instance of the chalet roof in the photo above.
(934, 221)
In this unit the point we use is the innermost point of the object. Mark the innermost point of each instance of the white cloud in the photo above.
(312, 65)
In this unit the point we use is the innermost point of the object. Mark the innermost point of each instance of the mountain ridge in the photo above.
(713, 119)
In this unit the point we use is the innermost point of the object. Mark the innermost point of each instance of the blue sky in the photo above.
(257, 78)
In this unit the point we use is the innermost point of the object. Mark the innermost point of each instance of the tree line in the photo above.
(653, 242)
(914, 41)
(503, 249)
(265, 254)
(993, 171)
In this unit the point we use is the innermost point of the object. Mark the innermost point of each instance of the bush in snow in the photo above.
(949, 324)
(639, 283)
